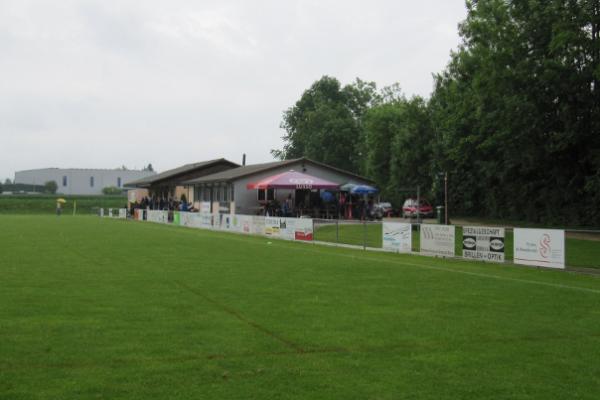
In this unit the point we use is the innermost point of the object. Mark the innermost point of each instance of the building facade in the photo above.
(168, 184)
(229, 188)
(80, 181)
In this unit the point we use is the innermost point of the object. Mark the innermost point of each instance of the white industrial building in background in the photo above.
(80, 181)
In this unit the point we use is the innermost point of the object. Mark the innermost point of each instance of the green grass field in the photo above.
(46, 204)
(579, 252)
(96, 308)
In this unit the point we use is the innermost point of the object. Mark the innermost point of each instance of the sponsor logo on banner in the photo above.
(483, 243)
(303, 229)
(397, 237)
(540, 247)
(437, 240)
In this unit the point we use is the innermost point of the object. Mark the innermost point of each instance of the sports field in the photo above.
(96, 308)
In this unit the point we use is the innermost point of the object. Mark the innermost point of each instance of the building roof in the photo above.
(175, 172)
(84, 169)
(243, 171)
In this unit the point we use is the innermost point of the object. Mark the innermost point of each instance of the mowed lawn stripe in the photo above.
(93, 308)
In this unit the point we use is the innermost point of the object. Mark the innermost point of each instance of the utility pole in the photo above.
(446, 197)
(418, 208)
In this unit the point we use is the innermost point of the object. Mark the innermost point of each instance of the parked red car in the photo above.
(410, 209)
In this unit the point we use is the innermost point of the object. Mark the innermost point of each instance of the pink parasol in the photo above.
(292, 180)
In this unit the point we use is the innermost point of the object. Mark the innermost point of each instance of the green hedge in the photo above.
(46, 204)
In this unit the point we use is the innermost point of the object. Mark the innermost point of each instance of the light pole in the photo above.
(446, 197)
(444, 175)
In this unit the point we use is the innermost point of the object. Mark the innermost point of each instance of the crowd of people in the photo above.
(161, 203)
(342, 206)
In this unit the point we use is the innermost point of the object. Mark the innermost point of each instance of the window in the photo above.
(269, 192)
(91, 181)
(225, 190)
(64, 180)
(119, 182)
(231, 197)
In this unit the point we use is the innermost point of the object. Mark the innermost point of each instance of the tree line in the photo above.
(513, 119)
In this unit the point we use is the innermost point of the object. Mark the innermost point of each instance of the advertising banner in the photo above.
(245, 224)
(122, 213)
(230, 223)
(274, 226)
(206, 221)
(158, 216)
(483, 243)
(540, 247)
(258, 225)
(437, 240)
(303, 229)
(205, 207)
(185, 219)
(289, 228)
(397, 237)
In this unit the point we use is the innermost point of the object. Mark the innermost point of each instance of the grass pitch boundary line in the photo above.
(287, 342)
(470, 273)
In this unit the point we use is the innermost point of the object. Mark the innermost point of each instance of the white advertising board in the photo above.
(158, 216)
(276, 227)
(437, 240)
(258, 225)
(230, 223)
(540, 247)
(117, 213)
(483, 243)
(289, 228)
(245, 224)
(303, 229)
(206, 221)
(205, 207)
(189, 219)
(397, 237)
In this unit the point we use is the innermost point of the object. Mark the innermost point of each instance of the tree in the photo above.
(1, 187)
(514, 111)
(148, 168)
(7, 181)
(50, 187)
(325, 124)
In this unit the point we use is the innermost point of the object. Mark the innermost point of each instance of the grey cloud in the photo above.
(104, 83)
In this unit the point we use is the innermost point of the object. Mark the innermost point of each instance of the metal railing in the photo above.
(582, 247)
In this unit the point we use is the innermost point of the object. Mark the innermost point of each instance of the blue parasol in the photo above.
(363, 189)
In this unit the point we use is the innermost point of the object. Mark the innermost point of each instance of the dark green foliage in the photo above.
(325, 124)
(46, 204)
(515, 112)
(50, 187)
(399, 145)
(23, 187)
(112, 191)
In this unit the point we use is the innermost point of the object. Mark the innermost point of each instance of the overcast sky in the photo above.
(99, 84)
